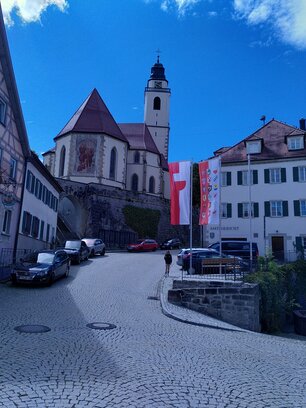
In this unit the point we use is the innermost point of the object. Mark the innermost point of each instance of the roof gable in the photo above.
(139, 136)
(274, 144)
(93, 116)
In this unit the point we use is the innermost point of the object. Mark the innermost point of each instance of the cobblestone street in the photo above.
(147, 360)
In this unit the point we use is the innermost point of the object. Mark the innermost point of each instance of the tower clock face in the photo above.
(158, 84)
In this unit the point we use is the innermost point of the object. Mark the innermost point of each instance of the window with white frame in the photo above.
(303, 208)
(253, 146)
(276, 208)
(275, 175)
(2, 111)
(223, 178)
(295, 142)
(6, 226)
(302, 173)
(245, 177)
(246, 209)
(13, 168)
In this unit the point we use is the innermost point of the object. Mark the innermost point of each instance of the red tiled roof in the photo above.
(93, 117)
(274, 144)
(138, 136)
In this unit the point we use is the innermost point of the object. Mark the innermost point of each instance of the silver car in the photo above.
(184, 252)
(96, 246)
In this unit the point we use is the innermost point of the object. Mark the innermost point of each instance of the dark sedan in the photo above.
(77, 250)
(41, 267)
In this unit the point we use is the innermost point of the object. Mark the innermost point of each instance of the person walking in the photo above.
(168, 262)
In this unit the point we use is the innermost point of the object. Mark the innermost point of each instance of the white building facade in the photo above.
(276, 195)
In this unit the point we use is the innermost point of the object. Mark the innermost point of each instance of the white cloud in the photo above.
(29, 10)
(287, 17)
(181, 5)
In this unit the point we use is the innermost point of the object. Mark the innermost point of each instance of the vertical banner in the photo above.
(210, 191)
(180, 192)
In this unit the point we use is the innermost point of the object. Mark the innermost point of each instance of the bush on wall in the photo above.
(144, 221)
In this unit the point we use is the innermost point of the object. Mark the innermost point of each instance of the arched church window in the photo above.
(62, 162)
(152, 185)
(136, 157)
(113, 164)
(134, 182)
(156, 103)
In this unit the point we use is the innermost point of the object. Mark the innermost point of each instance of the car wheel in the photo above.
(103, 252)
(67, 271)
(51, 279)
(78, 260)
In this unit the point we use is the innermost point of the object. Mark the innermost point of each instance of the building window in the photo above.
(41, 233)
(2, 111)
(136, 157)
(134, 182)
(302, 173)
(62, 162)
(35, 227)
(226, 210)
(13, 168)
(29, 180)
(299, 208)
(26, 223)
(226, 178)
(7, 222)
(253, 146)
(152, 185)
(276, 208)
(303, 208)
(156, 103)
(113, 162)
(295, 143)
(246, 210)
(275, 176)
(38, 187)
(48, 233)
(245, 177)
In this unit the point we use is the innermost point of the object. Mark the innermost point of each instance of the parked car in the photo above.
(184, 252)
(198, 256)
(171, 244)
(41, 267)
(237, 248)
(143, 245)
(95, 245)
(77, 251)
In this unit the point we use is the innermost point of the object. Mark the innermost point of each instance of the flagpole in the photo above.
(220, 207)
(190, 221)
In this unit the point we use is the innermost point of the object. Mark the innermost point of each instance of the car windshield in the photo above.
(89, 242)
(45, 257)
(140, 241)
(73, 244)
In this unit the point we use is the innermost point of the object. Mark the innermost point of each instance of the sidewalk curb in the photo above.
(171, 314)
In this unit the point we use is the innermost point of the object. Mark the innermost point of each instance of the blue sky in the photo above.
(228, 62)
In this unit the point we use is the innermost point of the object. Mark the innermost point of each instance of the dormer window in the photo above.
(295, 142)
(253, 146)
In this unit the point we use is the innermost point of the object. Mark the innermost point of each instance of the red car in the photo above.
(143, 245)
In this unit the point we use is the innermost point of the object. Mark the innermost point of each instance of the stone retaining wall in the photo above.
(232, 302)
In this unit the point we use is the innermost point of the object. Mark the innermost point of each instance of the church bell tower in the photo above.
(157, 107)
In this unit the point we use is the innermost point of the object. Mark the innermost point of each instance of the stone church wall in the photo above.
(101, 207)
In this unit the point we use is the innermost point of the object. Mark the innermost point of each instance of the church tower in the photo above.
(157, 107)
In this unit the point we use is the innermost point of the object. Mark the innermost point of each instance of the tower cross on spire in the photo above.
(158, 52)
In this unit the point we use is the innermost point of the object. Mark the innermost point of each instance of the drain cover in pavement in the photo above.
(101, 326)
(32, 328)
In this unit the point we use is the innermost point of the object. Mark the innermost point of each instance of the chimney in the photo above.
(302, 124)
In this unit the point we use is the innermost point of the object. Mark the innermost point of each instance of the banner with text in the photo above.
(210, 191)
(180, 192)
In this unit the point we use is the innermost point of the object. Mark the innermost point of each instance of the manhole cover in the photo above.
(32, 328)
(101, 326)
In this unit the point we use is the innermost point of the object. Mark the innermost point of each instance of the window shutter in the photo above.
(228, 178)
(267, 176)
(267, 209)
(229, 210)
(297, 210)
(240, 210)
(239, 178)
(285, 208)
(256, 210)
(255, 176)
(283, 175)
(299, 244)
(295, 174)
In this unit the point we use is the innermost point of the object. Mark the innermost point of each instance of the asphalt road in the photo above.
(147, 360)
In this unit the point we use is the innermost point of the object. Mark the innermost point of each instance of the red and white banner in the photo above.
(210, 191)
(180, 192)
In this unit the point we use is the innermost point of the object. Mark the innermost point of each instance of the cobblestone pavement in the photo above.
(148, 360)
